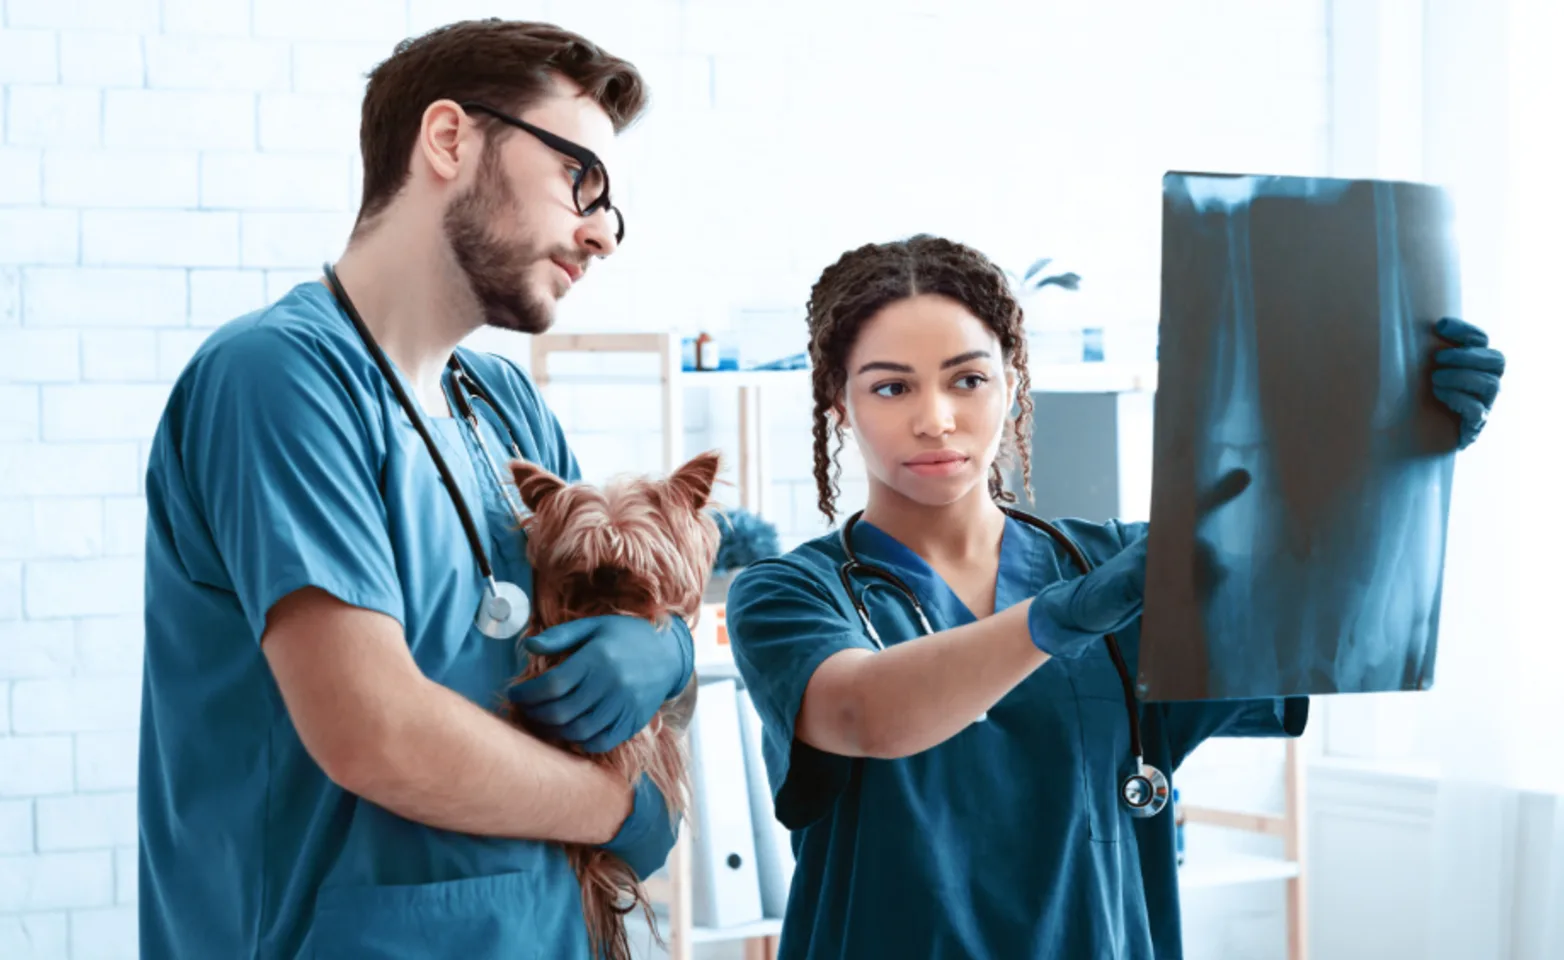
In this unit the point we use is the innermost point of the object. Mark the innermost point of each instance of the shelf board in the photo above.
(688, 378)
(743, 378)
(743, 931)
(1231, 869)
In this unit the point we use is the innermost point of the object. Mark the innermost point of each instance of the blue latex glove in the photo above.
(620, 673)
(1466, 376)
(1068, 616)
(647, 835)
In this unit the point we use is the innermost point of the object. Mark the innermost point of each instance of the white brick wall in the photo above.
(166, 165)
(207, 17)
(138, 179)
(28, 56)
(104, 297)
(53, 116)
(21, 173)
(100, 59)
(150, 238)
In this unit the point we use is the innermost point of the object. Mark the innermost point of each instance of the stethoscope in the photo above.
(504, 609)
(1145, 791)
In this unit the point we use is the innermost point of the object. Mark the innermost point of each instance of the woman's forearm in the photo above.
(919, 693)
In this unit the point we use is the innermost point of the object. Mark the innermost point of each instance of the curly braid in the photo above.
(863, 282)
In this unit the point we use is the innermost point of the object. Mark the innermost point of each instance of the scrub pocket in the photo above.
(473, 919)
(1105, 741)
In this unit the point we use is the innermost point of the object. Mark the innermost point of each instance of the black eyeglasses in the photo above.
(591, 177)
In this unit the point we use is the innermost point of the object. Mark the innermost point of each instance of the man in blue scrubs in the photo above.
(323, 771)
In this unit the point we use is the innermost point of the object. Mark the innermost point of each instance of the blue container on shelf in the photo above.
(1091, 345)
(727, 356)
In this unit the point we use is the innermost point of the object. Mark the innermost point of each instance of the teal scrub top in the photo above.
(283, 461)
(1006, 841)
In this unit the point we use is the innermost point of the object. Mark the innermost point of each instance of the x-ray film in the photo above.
(1301, 464)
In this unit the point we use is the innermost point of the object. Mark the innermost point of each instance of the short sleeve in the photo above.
(1190, 724)
(1130, 532)
(783, 624)
(280, 450)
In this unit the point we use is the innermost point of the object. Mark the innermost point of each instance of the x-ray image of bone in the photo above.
(1296, 347)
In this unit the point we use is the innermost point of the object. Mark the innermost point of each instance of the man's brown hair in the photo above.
(506, 64)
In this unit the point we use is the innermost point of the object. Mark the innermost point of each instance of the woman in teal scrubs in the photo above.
(956, 793)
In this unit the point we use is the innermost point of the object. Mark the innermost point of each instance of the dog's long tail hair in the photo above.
(610, 890)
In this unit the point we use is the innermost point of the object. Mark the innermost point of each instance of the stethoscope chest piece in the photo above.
(504, 611)
(1145, 792)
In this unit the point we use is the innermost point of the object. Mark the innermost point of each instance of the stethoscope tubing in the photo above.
(459, 400)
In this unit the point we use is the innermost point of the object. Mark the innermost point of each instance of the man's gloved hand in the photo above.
(647, 835)
(621, 672)
(1466, 376)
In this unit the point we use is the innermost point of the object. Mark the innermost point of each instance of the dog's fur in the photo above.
(643, 548)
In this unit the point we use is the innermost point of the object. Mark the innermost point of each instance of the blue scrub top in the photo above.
(1006, 841)
(283, 461)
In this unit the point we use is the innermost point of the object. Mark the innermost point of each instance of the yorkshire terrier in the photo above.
(644, 548)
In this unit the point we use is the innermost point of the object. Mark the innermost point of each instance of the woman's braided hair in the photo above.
(862, 283)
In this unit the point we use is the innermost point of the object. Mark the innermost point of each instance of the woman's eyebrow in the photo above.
(884, 365)
(961, 358)
(955, 361)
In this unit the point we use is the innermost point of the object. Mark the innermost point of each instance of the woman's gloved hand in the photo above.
(619, 673)
(1466, 376)
(648, 833)
(1068, 616)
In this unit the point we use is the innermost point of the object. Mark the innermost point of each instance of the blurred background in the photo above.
(167, 165)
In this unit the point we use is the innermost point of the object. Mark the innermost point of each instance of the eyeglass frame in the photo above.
(575, 151)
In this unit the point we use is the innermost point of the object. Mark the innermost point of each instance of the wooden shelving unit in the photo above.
(674, 380)
(1230, 869)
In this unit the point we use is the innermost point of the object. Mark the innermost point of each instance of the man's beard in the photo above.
(495, 269)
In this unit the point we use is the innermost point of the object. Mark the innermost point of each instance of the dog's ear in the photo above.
(693, 481)
(536, 483)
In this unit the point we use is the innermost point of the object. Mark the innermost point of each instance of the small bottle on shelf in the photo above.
(1178, 828)
(706, 357)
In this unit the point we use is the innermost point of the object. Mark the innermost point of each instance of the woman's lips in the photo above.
(937, 463)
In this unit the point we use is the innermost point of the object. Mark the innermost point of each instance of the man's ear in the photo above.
(536, 483)
(445, 138)
(693, 481)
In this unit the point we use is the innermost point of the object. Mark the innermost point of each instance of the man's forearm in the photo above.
(445, 762)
